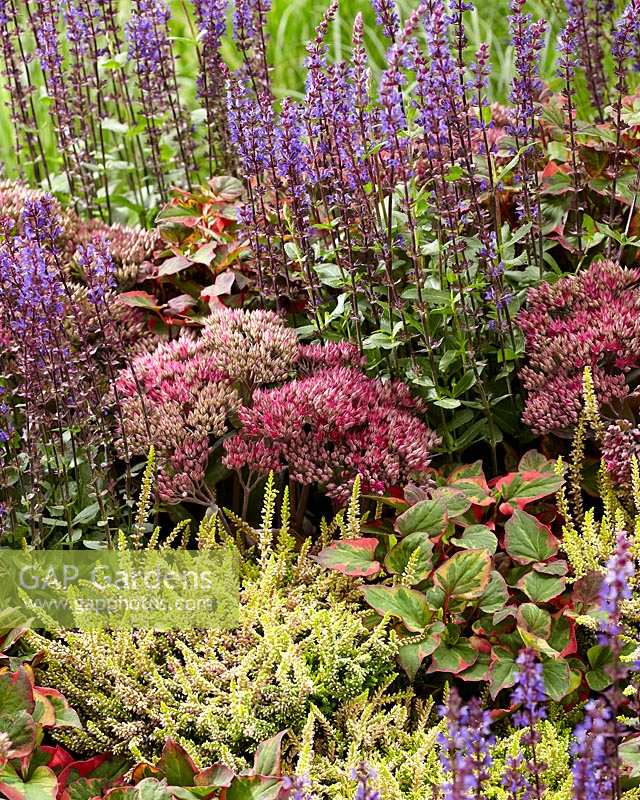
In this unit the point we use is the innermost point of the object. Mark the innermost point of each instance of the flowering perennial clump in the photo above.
(251, 347)
(331, 426)
(175, 399)
(587, 320)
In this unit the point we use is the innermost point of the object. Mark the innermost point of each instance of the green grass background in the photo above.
(291, 25)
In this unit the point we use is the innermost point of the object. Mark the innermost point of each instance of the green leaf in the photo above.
(455, 501)
(427, 516)
(557, 678)
(355, 557)
(253, 788)
(496, 595)
(412, 652)
(16, 693)
(503, 671)
(176, 765)
(408, 605)
(87, 514)
(477, 537)
(21, 730)
(534, 620)
(528, 540)
(399, 556)
(42, 784)
(541, 588)
(465, 575)
(453, 658)
(113, 125)
(479, 671)
(267, 757)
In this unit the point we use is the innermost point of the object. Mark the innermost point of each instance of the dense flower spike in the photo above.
(593, 751)
(616, 587)
(530, 696)
(585, 320)
(330, 427)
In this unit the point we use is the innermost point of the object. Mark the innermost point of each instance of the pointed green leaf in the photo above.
(408, 605)
(477, 537)
(496, 595)
(355, 557)
(42, 784)
(541, 588)
(399, 556)
(557, 678)
(267, 757)
(528, 540)
(534, 620)
(427, 516)
(453, 658)
(176, 765)
(412, 652)
(465, 575)
(502, 675)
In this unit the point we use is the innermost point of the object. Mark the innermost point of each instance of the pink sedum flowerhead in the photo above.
(590, 319)
(177, 399)
(331, 426)
(251, 347)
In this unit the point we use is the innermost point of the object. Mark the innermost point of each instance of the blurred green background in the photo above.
(291, 25)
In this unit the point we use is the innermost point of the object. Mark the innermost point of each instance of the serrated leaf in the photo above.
(465, 575)
(354, 557)
(527, 540)
(406, 604)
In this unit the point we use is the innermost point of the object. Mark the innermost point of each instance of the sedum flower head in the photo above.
(586, 320)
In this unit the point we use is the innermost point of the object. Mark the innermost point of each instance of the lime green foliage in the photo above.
(301, 643)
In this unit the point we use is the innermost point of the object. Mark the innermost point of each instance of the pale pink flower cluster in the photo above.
(177, 399)
(332, 354)
(330, 427)
(590, 319)
(250, 347)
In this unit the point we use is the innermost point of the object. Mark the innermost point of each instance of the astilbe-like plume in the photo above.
(251, 348)
(330, 427)
(586, 320)
(175, 399)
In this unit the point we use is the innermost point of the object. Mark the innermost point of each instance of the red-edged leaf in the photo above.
(180, 304)
(521, 488)
(173, 265)
(215, 775)
(176, 765)
(16, 692)
(41, 785)
(140, 299)
(527, 540)
(58, 757)
(470, 479)
(355, 557)
(408, 605)
(63, 714)
(267, 758)
(453, 658)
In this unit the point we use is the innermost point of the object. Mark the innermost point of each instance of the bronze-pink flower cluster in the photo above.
(330, 427)
(587, 320)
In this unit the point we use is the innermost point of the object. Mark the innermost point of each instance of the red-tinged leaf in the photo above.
(140, 299)
(563, 636)
(541, 588)
(427, 516)
(479, 671)
(412, 652)
(266, 761)
(82, 780)
(354, 557)
(215, 775)
(222, 286)
(532, 460)
(470, 479)
(21, 730)
(41, 785)
(527, 540)
(16, 692)
(408, 605)
(455, 500)
(453, 658)
(465, 575)
(180, 304)
(58, 757)
(176, 765)
(399, 557)
(252, 787)
(205, 254)
(173, 265)
(534, 620)
(521, 488)
(226, 188)
(63, 714)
